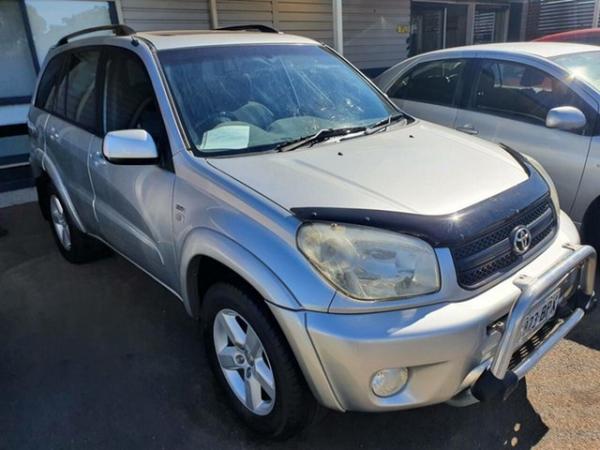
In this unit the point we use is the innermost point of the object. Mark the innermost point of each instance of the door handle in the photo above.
(469, 129)
(53, 134)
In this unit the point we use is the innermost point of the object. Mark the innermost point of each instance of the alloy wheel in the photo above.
(59, 221)
(244, 362)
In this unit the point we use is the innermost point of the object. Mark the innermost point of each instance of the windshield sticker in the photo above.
(226, 137)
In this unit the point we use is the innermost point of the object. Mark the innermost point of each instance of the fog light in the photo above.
(388, 382)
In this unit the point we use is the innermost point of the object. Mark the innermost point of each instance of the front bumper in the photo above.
(497, 381)
(453, 350)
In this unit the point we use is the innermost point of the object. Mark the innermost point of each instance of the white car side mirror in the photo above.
(566, 118)
(129, 147)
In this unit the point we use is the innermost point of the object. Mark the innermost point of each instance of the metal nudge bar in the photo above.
(498, 380)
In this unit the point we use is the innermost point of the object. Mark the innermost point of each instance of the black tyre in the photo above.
(74, 245)
(591, 227)
(253, 362)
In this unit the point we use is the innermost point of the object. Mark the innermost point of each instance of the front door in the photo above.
(509, 104)
(133, 203)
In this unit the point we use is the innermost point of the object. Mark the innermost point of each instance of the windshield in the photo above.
(583, 65)
(247, 98)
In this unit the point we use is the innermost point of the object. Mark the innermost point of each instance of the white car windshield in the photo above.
(248, 98)
(583, 65)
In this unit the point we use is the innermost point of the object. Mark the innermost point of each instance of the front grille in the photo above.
(534, 342)
(486, 257)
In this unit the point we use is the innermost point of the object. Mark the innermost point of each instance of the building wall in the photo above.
(312, 18)
(554, 16)
(371, 37)
(169, 14)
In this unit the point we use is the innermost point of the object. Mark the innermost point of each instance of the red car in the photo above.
(586, 36)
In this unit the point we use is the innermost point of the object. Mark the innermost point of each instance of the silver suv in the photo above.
(338, 251)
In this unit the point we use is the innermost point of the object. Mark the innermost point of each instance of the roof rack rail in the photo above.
(251, 27)
(118, 29)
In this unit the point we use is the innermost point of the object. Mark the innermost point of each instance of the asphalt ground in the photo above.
(99, 356)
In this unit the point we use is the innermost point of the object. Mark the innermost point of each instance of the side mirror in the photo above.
(129, 147)
(566, 118)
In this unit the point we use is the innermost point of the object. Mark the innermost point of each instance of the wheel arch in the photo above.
(50, 174)
(208, 256)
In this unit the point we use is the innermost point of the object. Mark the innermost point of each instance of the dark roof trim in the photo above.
(251, 27)
(117, 29)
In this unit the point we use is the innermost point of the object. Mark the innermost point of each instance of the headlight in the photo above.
(370, 264)
(553, 192)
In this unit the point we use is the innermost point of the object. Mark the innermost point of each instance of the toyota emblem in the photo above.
(520, 239)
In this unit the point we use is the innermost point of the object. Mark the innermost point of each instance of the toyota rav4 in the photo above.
(337, 251)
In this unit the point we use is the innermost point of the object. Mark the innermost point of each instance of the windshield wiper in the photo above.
(328, 133)
(383, 124)
(319, 136)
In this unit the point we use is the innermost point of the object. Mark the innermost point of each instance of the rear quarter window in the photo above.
(48, 85)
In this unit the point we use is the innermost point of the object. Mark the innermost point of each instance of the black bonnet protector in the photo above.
(444, 230)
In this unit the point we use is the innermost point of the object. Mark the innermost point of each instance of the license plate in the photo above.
(539, 315)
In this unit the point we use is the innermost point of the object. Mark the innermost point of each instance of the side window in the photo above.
(430, 82)
(523, 93)
(129, 98)
(49, 84)
(81, 102)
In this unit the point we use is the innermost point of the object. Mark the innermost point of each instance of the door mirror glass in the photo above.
(129, 147)
(566, 118)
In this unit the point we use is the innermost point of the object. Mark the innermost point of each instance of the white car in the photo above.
(539, 98)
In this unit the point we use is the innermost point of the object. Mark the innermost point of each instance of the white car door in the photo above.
(509, 103)
(429, 90)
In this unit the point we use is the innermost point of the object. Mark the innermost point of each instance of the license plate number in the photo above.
(539, 315)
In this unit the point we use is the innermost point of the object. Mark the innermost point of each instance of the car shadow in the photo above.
(513, 423)
(586, 332)
(99, 356)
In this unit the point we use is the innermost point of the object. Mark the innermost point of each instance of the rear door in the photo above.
(73, 126)
(133, 202)
(430, 90)
(508, 104)
(40, 112)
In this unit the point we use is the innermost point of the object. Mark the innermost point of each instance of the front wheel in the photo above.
(253, 362)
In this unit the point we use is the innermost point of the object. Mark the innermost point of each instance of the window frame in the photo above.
(591, 128)
(458, 93)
